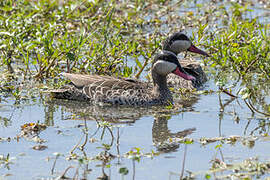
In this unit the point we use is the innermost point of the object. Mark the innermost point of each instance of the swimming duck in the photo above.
(120, 91)
(177, 43)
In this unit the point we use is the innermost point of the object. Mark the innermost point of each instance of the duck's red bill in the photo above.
(183, 75)
(194, 49)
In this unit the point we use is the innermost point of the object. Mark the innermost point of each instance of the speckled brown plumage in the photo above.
(191, 67)
(106, 89)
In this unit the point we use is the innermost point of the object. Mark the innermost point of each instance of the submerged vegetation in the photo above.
(41, 39)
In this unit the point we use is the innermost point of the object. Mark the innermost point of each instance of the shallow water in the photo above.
(147, 129)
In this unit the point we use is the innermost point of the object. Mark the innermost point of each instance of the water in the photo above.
(148, 130)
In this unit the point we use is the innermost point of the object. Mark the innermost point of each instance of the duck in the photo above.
(103, 90)
(179, 42)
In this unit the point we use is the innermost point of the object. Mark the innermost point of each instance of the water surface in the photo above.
(143, 128)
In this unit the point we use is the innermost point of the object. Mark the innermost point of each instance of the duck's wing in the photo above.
(108, 89)
(194, 68)
(191, 67)
(177, 82)
(81, 80)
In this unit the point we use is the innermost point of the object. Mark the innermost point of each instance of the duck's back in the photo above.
(104, 89)
(193, 68)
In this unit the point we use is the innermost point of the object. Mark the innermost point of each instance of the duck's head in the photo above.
(166, 63)
(179, 42)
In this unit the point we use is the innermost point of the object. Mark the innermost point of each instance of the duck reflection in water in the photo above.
(162, 136)
(161, 133)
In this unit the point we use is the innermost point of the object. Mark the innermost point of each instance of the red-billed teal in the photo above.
(107, 89)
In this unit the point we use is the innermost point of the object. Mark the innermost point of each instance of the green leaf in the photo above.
(138, 63)
(123, 171)
(207, 176)
(218, 146)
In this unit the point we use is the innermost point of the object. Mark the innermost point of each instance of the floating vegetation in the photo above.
(248, 140)
(40, 147)
(5, 161)
(247, 169)
(32, 129)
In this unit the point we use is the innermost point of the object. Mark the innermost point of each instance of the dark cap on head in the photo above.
(174, 37)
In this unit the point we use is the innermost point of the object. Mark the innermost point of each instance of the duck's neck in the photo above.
(160, 89)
